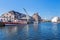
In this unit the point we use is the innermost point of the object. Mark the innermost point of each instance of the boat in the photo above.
(2, 24)
(10, 23)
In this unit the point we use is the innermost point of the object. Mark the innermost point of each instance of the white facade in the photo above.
(7, 17)
(55, 19)
(13, 16)
(3, 20)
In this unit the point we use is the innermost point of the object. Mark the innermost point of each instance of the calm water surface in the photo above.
(41, 31)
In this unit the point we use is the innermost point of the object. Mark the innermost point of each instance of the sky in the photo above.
(45, 8)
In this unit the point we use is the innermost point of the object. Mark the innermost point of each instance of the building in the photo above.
(29, 18)
(1, 19)
(55, 19)
(11, 16)
(36, 17)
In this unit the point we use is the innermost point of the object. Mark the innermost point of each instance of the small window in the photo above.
(7, 14)
(4, 16)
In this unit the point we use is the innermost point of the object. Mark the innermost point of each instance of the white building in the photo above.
(11, 16)
(2, 19)
(55, 19)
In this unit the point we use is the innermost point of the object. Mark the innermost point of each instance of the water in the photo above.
(41, 31)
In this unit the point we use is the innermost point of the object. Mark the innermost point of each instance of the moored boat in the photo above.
(10, 23)
(2, 24)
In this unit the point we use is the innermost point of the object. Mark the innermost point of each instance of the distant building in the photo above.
(36, 17)
(11, 16)
(55, 19)
(25, 18)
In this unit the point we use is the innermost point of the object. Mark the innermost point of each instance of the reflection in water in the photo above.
(36, 32)
(7, 32)
(26, 28)
(35, 26)
(42, 31)
(25, 32)
(54, 29)
(10, 32)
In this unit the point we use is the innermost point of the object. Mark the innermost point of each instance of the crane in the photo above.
(27, 16)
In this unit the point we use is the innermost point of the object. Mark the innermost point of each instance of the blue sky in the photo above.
(45, 8)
